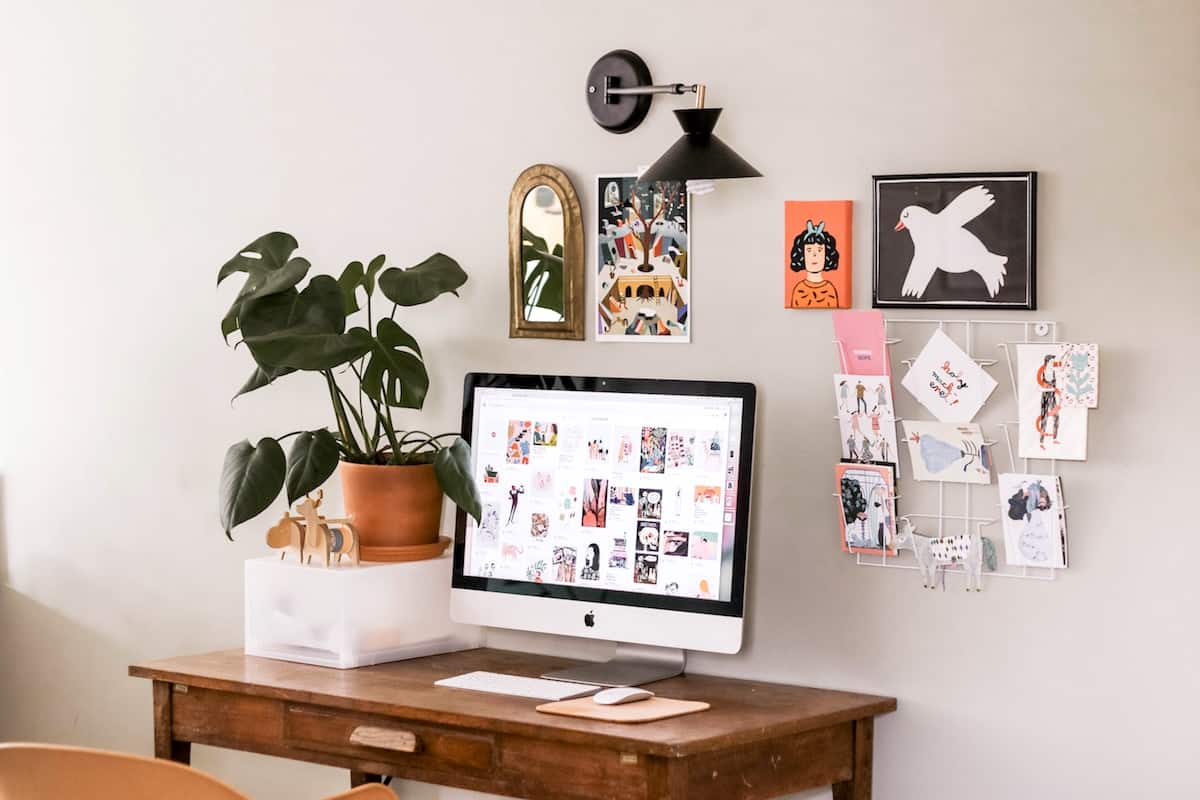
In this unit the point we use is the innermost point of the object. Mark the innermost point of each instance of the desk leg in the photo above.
(359, 778)
(859, 785)
(165, 745)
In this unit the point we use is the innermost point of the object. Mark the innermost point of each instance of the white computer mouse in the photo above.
(621, 695)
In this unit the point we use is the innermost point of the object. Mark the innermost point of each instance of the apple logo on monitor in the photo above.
(589, 619)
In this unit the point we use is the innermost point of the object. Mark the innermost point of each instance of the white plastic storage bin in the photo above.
(348, 616)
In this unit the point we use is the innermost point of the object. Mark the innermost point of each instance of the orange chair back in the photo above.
(55, 772)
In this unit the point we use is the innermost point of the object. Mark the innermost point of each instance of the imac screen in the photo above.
(627, 492)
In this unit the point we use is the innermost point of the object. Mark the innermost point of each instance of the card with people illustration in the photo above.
(866, 417)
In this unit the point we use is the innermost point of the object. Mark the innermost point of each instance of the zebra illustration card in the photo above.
(945, 452)
(1049, 427)
(1035, 522)
(947, 381)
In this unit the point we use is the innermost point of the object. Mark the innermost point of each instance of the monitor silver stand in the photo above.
(633, 665)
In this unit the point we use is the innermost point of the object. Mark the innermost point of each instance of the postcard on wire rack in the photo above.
(1081, 380)
(947, 381)
(1035, 522)
(866, 419)
(943, 451)
(1049, 428)
(862, 342)
(866, 496)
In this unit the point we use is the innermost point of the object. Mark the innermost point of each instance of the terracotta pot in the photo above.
(392, 507)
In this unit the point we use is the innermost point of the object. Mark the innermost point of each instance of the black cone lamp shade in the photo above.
(699, 155)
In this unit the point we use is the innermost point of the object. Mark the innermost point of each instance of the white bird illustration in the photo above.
(941, 242)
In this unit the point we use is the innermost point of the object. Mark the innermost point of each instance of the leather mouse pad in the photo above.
(655, 708)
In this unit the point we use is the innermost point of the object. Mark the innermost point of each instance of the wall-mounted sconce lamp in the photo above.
(619, 92)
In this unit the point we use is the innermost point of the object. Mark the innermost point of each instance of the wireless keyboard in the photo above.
(499, 683)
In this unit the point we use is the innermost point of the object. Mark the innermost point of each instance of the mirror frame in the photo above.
(571, 327)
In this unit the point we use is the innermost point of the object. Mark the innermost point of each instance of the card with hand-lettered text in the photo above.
(947, 381)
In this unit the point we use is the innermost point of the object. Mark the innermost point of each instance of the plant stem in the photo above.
(339, 412)
(373, 439)
(388, 429)
(361, 391)
(362, 425)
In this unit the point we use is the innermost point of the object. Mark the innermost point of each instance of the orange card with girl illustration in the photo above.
(816, 253)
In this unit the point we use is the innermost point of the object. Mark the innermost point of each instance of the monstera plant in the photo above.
(371, 372)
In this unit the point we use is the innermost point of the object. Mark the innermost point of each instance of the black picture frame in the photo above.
(1006, 228)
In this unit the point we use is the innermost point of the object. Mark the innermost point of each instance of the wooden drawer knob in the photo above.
(384, 738)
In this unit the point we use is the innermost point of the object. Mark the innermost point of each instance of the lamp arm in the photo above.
(660, 88)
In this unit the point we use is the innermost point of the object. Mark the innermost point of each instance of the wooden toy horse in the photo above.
(311, 532)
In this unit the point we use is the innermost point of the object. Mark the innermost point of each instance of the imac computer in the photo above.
(613, 508)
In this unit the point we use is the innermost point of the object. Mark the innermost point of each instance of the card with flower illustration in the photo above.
(1081, 375)
(947, 381)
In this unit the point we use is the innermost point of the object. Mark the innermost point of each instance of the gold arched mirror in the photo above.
(545, 256)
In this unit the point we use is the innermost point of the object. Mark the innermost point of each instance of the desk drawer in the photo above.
(418, 745)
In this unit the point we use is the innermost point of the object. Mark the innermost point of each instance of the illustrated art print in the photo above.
(643, 288)
(1048, 426)
(962, 240)
(816, 254)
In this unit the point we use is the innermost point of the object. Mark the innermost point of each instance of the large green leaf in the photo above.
(261, 284)
(266, 253)
(310, 462)
(251, 478)
(395, 374)
(453, 468)
(268, 270)
(303, 330)
(373, 270)
(310, 351)
(434, 276)
(317, 309)
(262, 377)
(350, 279)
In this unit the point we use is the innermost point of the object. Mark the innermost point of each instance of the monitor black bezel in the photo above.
(746, 392)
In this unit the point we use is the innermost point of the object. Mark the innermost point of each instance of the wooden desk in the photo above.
(758, 739)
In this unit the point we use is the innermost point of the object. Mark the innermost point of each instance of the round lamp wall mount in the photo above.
(619, 94)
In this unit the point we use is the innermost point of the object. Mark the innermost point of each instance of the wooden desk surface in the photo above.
(758, 740)
(742, 711)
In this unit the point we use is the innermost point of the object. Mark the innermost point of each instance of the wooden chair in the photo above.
(56, 772)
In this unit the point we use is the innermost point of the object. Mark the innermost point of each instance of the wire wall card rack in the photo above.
(967, 333)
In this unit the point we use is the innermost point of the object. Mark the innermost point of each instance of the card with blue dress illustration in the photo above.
(943, 451)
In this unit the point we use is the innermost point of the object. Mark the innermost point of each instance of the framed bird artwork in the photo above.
(955, 240)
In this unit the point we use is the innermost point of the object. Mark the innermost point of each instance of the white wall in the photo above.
(141, 142)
